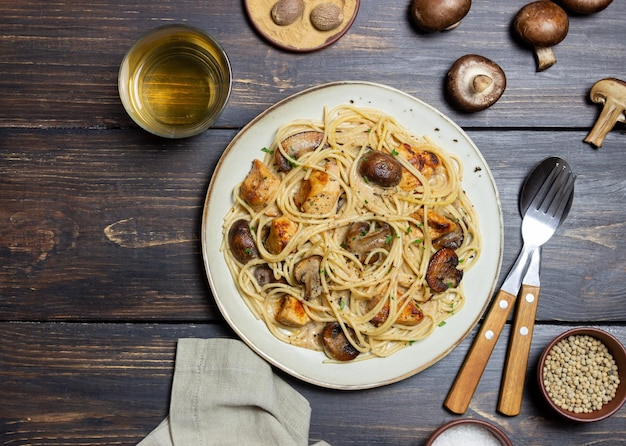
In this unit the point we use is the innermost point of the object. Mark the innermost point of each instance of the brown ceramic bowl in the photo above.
(616, 349)
(465, 428)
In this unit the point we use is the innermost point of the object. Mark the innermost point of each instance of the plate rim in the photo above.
(240, 332)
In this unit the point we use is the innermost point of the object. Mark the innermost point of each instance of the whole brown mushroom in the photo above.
(474, 83)
(585, 6)
(438, 15)
(542, 24)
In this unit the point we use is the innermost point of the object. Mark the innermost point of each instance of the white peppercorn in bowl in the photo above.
(582, 374)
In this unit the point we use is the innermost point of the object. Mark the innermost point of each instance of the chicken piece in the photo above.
(292, 313)
(424, 161)
(281, 231)
(323, 190)
(411, 314)
(259, 186)
(438, 224)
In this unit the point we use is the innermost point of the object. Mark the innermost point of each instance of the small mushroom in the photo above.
(307, 273)
(475, 83)
(241, 243)
(585, 6)
(611, 93)
(361, 241)
(542, 24)
(380, 168)
(336, 343)
(452, 240)
(297, 145)
(442, 273)
(439, 15)
(264, 275)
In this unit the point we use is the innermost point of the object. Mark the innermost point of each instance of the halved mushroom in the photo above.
(585, 6)
(361, 240)
(380, 168)
(442, 273)
(307, 273)
(295, 146)
(475, 83)
(443, 232)
(453, 239)
(611, 93)
(241, 243)
(264, 275)
(439, 15)
(336, 343)
(541, 24)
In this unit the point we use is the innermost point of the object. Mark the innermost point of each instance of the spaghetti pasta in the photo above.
(352, 221)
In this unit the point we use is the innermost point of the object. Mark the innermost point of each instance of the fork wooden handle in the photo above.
(514, 376)
(467, 379)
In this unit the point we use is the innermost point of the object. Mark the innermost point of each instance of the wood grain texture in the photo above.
(106, 224)
(109, 384)
(60, 60)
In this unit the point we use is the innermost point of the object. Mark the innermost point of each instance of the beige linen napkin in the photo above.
(224, 394)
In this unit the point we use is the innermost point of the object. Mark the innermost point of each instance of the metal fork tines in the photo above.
(548, 206)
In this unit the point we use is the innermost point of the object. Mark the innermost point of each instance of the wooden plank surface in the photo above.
(103, 384)
(106, 224)
(60, 60)
(100, 258)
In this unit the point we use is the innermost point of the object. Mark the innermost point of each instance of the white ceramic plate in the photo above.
(479, 282)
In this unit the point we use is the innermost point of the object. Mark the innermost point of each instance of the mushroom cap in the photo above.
(541, 23)
(438, 15)
(475, 83)
(609, 86)
(585, 6)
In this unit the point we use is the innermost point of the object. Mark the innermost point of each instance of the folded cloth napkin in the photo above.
(224, 394)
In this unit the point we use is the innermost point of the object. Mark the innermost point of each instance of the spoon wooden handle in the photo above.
(467, 379)
(514, 376)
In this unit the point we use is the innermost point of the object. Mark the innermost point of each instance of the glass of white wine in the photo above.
(175, 81)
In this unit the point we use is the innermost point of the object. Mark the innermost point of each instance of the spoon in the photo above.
(514, 375)
(538, 225)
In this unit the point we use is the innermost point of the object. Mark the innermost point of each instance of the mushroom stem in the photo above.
(545, 58)
(451, 27)
(612, 93)
(481, 83)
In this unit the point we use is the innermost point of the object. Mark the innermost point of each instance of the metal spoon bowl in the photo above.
(535, 179)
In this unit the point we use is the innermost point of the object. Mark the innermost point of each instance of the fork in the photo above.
(544, 215)
(539, 223)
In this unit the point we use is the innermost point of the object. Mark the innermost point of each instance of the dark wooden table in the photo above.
(100, 259)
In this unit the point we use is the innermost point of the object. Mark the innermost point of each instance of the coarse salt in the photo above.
(468, 434)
